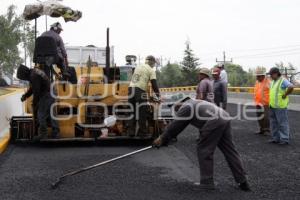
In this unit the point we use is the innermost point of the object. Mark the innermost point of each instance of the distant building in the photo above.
(78, 55)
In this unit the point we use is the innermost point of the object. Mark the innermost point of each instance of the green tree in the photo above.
(237, 77)
(10, 38)
(250, 78)
(28, 40)
(170, 75)
(288, 70)
(189, 67)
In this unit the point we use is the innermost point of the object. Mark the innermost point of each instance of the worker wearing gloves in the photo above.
(279, 91)
(42, 99)
(215, 131)
(54, 32)
(261, 99)
(220, 89)
(138, 96)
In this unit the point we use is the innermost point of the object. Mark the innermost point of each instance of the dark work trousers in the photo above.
(137, 97)
(43, 114)
(262, 114)
(209, 140)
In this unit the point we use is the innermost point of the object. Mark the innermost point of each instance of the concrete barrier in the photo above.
(240, 98)
(10, 105)
(243, 98)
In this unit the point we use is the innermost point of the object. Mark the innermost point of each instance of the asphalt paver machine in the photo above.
(93, 108)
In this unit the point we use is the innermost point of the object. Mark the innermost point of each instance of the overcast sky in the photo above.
(252, 32)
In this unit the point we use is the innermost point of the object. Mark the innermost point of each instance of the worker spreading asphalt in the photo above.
(27, 171)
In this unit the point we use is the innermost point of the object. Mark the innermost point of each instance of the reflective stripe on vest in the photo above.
(276, 93)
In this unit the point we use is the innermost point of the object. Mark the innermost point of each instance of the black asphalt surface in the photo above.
(27, 171)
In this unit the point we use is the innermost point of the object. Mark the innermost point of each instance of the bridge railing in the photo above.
(230, 89)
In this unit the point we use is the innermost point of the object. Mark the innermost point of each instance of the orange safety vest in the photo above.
(262, 92)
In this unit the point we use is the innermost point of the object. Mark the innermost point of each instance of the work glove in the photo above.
(23, 98)
(158, 142)
(155, 99)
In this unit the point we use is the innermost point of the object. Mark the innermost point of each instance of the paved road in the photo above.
(274, 171)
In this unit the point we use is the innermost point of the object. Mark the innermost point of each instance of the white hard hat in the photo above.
(56, 26)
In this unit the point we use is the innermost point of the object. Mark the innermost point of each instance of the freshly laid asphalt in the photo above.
(27, 171)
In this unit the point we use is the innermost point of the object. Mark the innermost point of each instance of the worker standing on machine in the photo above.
(215, 131)
(55, 30)
(138, 96)
(42, 99)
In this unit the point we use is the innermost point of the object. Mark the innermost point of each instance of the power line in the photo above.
(268, 48)
(268, 53)
(269, 56)
(286, 47)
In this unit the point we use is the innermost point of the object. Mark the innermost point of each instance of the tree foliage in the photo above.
(238, 77)
(10, 38)
(189, 67)
(289, 70)
(28, 40)
(170, 76)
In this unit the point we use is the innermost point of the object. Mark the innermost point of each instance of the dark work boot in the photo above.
(259, 133)
(142, 132)
(245, 186)
(272, 141)
(39, 137)
(205, 186)
(55, 136)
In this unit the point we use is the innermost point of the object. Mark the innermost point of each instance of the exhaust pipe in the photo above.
(107, 62)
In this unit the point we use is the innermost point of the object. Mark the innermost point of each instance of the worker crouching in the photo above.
(215, 131)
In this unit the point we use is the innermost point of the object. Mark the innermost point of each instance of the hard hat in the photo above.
(221, 66)
(56, 26)
(204, 71)
(151, 58)
(216, 71)
(260, 71)
(23, 73)
(274, 70)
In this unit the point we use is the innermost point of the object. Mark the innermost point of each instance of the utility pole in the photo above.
(46, 22)
(25, 46)
(224, 61)
(139, 60)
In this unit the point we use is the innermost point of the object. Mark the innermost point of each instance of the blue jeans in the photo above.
(280, 124)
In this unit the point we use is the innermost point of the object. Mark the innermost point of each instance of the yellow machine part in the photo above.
(73, 96)
(78, 96)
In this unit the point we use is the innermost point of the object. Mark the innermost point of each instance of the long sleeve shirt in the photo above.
(39, 85)
(220, 93)
(203, 115)
(59, 42)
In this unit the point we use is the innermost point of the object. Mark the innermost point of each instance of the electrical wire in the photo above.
(269, 53)
(269, 56)
(256, 49)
